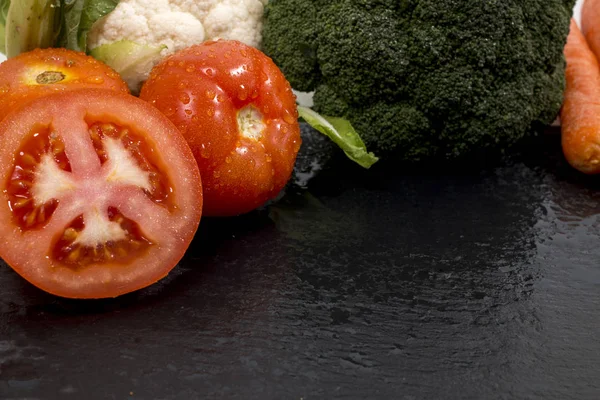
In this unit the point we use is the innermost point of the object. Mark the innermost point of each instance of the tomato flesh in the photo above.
(41, 142)
(68, 251)
(102, 194)
(238, 113)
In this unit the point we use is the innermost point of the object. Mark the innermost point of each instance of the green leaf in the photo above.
(341, 132)
(4, 5)
(30, 24)
(131, 60)
(78, 17)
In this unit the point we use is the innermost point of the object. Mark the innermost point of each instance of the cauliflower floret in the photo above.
(177, 24)
(236, 19)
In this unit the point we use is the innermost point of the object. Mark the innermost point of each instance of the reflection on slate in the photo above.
(392, 283)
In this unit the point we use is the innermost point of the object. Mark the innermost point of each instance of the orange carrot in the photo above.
(590, 24)
(580, 114)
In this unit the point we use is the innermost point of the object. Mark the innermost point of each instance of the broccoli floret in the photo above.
(426, 78)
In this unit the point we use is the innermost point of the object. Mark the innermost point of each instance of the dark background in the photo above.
(394, 283)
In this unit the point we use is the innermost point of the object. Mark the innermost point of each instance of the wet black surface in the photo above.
(392, 283)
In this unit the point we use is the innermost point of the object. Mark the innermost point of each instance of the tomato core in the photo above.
(108, 136)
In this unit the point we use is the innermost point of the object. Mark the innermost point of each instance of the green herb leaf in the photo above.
(77, 18)
(341, 132)
(4, 5)
(30, 24)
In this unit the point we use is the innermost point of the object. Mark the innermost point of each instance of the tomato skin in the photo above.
(29, 76)
(29, 252)
(202, 89)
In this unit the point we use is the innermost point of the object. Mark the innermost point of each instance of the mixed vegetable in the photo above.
(122, 123)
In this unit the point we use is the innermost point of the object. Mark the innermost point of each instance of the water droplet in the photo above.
(171, 63)
(190, 68)
(188, 111)
(228, 160)
(169, 111)
(181, 64)
(210, 112)
(284, 129)
(216, 174)
(289, 119)
(243, 94)
(268, 158)
(204, 152)
(95, 79)
(254, 94)
(185, 98)
(220, 98)
(210, 94)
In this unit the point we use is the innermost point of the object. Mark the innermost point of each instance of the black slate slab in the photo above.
(387, 284)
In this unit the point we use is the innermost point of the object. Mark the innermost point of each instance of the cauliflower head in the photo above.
(171, 25)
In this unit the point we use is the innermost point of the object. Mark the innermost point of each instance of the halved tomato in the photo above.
(100, 194)
(40, 72)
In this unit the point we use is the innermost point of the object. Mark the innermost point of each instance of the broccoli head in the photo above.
(426, 78)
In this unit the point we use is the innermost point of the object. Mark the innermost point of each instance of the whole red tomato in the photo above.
(43, 71)
(238, 114)
(99, 193)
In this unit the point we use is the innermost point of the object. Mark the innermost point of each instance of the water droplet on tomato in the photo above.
(216, 174)
(188, 111)
(210, 94)
(244, 53)
(228, 160)
(185, 98)
(209, 72)
(204, 152)
(169, 111)
(220, 98)
(95, 79)
(190, 68)
(289, 119)
(210, 112)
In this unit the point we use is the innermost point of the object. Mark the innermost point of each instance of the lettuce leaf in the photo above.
(30, 24)
(77, 18)
(341, 132)
(4, 4)
(131, 60)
